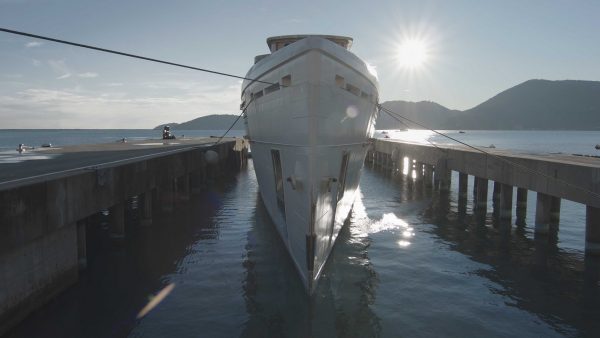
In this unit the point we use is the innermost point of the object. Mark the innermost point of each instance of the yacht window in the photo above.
(272, 88)
(352, 89)
(339, 81)
(258, 94)
(286, 81)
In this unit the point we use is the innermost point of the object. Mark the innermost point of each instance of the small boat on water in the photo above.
(308, 127)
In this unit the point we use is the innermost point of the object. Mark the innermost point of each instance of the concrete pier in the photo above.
(553, 177)
(44, 207)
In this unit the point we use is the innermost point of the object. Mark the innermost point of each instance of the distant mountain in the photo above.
(428, 113)
(538, 104)
(210, 122)
(534, 104)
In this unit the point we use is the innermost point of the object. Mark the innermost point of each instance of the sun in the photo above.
(412, 53)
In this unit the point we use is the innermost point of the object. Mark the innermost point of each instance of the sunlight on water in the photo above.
(403, 243)
(410, 135)
(363, 225)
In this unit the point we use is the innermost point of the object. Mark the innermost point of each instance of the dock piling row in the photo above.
(578, 182)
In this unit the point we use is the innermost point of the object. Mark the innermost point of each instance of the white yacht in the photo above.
(310, 109)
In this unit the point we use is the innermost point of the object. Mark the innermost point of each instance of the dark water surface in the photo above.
(406, 265)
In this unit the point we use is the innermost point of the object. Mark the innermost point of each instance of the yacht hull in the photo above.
(309, 139)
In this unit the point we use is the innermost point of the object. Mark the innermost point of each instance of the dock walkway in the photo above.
(552, 176)
(46, 161)
(48, 196)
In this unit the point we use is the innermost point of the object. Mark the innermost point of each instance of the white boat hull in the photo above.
(309, 141)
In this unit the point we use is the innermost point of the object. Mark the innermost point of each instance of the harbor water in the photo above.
(407, 264)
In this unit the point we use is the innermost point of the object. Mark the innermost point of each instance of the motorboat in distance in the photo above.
(310, 108)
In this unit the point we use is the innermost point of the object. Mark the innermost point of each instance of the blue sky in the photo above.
(476, 49)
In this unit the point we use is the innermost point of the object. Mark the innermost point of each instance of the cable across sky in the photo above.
(105, 50)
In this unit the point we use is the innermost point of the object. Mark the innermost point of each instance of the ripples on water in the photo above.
(407, 264)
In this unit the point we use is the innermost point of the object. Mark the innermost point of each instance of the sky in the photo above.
(469, 52)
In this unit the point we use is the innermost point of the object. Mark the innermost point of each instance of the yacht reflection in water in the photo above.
(276, 300)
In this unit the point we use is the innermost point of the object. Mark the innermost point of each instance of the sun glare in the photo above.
(412, 53)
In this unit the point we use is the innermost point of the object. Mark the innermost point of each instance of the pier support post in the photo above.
(400, 166)
(547, 214)
(145, 205)
(521, 211)
(496, 199)
(117, 220)
(82, 244)
(419, 172)
(463, 183)
(481, 195)
(397, 162)
(428, 175)
(443, 175)
(554, 210)
(505, 199)
(542, 214)
(592, 231)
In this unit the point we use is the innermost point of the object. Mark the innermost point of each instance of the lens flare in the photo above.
(351, 112)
